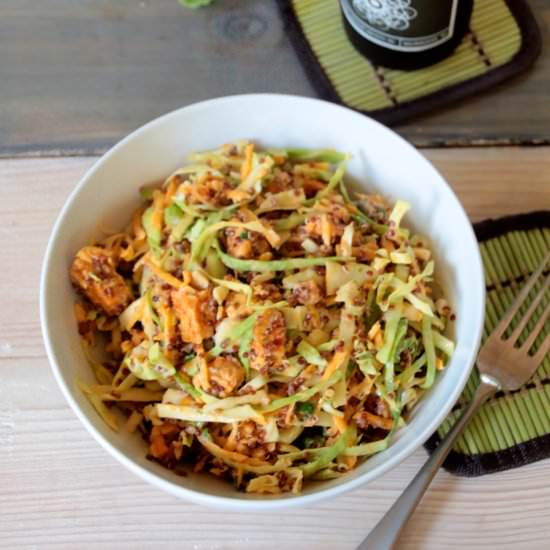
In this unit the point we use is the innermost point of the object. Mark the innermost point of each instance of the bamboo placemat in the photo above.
(513, 428)
(503, 41)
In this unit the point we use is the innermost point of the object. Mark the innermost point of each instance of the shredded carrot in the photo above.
(158, 447)
(79, 312)
(338, 359)
(128, 253)
(247, 164)
(161, 274)
(186, 276)
(137, 228)
(326, 230)
(289, 413)
(387, 244)
(203, 370)
(169, 324)
(237, 457)
(340, 423)
(170, 192)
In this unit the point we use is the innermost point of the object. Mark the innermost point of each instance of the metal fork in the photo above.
(502, 366)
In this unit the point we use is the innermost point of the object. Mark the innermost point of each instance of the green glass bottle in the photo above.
(406, 34)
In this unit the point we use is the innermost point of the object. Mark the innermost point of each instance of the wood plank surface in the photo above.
(59, 489)
(78, 76)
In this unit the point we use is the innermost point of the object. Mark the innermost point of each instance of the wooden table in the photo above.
(59, 489)
(77, 76)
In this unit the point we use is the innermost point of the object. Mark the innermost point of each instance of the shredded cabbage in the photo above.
(310, 354)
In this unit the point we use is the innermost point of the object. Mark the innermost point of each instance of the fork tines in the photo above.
(514, 308)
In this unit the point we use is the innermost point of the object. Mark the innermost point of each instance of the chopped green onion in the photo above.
(306, 409)
(93, 275)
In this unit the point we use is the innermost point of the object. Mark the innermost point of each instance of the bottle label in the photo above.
(402, 25)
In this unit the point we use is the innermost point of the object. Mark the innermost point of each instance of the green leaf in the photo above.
(195, 3)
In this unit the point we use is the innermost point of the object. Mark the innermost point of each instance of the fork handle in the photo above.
(387, 530)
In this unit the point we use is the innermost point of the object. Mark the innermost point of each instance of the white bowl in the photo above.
(382, 162)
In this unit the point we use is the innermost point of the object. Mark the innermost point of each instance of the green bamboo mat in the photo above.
(503, 41)
(513, 428)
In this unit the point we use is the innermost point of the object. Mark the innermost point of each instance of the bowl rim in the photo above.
(273, 502)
